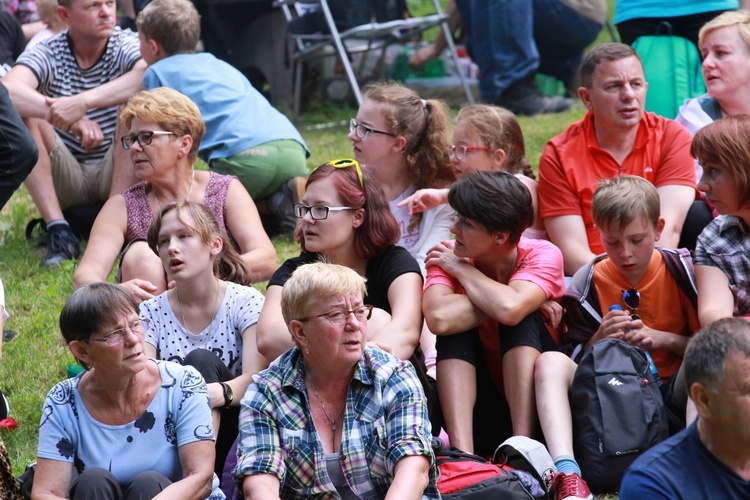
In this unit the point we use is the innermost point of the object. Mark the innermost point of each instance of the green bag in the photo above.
(673, 70)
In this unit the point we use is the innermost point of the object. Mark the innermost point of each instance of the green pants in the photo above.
(264, 168)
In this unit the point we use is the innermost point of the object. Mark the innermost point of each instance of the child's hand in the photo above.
(425, 199)
(613, 325)
(552, 311)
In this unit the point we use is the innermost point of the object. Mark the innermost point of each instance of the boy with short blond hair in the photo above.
(626, 212)
(245, 135)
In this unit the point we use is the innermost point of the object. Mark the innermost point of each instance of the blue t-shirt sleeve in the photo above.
(58, 439)
(192, 420)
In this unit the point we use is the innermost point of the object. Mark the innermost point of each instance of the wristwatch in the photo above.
(228, 394)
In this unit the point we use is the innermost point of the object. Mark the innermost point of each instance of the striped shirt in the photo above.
(725, 243)
(59, 75)
(385, 420)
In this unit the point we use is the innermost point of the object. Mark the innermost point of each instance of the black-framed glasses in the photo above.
(460, 151)
(632, 299)
(117, 337)
(338, 318)
(362, 131)
(317, 212)
(143, 138)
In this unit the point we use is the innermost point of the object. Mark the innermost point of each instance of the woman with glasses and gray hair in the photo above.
(165, 129)
(128, 426)
(344, 219)
(334, 417)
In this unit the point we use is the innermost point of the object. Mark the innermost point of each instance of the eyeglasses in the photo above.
(338, 318)
(112, 339)
(362, 131)
(144, 138)
(460, 151)
(317, 212)
(632, 299)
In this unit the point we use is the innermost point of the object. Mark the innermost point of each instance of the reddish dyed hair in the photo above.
(379, 229)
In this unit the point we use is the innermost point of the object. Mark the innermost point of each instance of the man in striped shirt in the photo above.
(67, 89)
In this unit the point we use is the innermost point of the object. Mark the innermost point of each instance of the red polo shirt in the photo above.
(572, 165)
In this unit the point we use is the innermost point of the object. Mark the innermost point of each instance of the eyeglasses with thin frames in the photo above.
(143, 138)
(460, 151)
(338, 318)
(362, 130)
(317, 212)
(117, 337)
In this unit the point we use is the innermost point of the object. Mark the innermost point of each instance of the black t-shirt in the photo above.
(381, 272)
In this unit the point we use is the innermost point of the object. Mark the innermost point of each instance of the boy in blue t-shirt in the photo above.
(245, 135)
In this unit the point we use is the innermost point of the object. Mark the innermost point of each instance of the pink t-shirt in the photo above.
(539, 262)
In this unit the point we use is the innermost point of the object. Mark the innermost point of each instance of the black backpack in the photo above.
(618, 412)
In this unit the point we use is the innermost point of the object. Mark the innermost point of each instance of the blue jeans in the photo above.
(510, 40)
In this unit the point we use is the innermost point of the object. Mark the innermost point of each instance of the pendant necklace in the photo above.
(331, 420)
(187, 198)
(216, 310)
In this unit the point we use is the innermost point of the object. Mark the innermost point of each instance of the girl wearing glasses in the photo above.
(344, 219)
(486, 138)
(127, 424)
(208, 319)
(402, 140)
(165, 129)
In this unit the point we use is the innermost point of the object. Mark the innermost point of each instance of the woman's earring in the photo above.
(307, 350)
(179, 155)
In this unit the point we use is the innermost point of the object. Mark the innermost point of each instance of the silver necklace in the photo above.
(216, 310)
(187, 198)
(332, 420)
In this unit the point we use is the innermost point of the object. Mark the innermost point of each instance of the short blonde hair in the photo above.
(174, 112)
(738, 18)
(620, 201)
(47, 10)
(319, 279)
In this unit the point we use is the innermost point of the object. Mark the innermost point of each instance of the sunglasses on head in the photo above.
(346, 163)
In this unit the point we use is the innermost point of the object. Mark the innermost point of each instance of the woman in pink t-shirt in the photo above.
(482, 299)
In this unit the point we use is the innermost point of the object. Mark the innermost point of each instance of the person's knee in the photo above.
(207, 363)
(146, 484)
(94, 483)
(141, 262)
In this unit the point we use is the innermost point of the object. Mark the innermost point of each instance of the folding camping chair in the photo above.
(363, 38)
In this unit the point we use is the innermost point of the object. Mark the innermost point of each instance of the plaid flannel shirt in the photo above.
(385, 420)
(725, 244)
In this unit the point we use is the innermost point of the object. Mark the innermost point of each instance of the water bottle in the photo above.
(651, 364)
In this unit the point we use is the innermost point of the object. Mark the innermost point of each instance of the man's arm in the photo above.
(675, 202)
(568, 232)
(65, 111)
(22, 86)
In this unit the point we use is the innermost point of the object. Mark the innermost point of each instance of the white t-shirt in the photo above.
(239, 310)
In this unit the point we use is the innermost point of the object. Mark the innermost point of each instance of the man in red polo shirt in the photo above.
(616, 137)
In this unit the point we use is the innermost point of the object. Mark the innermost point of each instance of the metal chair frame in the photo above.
(378, 36)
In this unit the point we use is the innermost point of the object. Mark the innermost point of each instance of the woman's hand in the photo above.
(442, 255)
(140, 289)
(424, 199)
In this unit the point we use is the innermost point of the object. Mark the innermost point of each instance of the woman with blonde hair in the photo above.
(165, 131)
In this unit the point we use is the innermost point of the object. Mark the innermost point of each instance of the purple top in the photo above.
(140, 215)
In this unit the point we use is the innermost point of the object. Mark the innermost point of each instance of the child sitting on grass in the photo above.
(626, 214)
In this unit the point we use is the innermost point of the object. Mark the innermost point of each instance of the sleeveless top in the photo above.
(140, 215)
